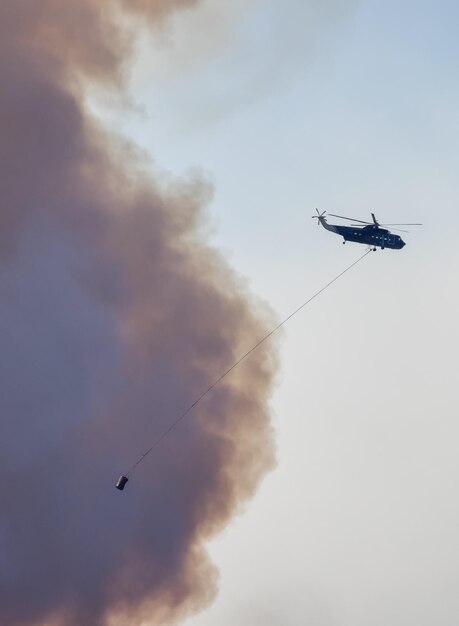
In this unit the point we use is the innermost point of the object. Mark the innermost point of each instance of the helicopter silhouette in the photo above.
(372, 234)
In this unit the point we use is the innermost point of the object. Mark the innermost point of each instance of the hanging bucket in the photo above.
(122, 480)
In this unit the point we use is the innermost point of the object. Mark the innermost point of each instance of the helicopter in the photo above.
(372, 234)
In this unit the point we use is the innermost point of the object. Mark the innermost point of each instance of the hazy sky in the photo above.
(351, 107)
(326, 481)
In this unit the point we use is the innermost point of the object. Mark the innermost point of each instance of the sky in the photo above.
(351, 107)
(316, 484)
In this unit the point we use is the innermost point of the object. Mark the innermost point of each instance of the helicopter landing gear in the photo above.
(344, 242)
(374, 249)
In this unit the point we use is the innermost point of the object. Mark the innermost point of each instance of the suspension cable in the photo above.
(242, 358)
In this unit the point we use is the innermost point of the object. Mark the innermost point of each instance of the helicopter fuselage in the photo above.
(371, 235)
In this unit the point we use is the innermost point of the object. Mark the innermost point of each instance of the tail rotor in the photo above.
(319, 216)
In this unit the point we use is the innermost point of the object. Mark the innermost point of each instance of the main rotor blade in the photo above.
(350, 219)
(405, 224)
(379, 225)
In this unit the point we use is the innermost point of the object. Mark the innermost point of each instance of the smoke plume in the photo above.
(114, 316)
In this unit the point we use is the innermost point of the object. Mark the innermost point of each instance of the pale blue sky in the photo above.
(351, 107)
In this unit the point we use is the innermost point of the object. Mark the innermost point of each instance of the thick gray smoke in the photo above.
(114, 316)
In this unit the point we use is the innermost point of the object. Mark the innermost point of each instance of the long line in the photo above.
(242, 358)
